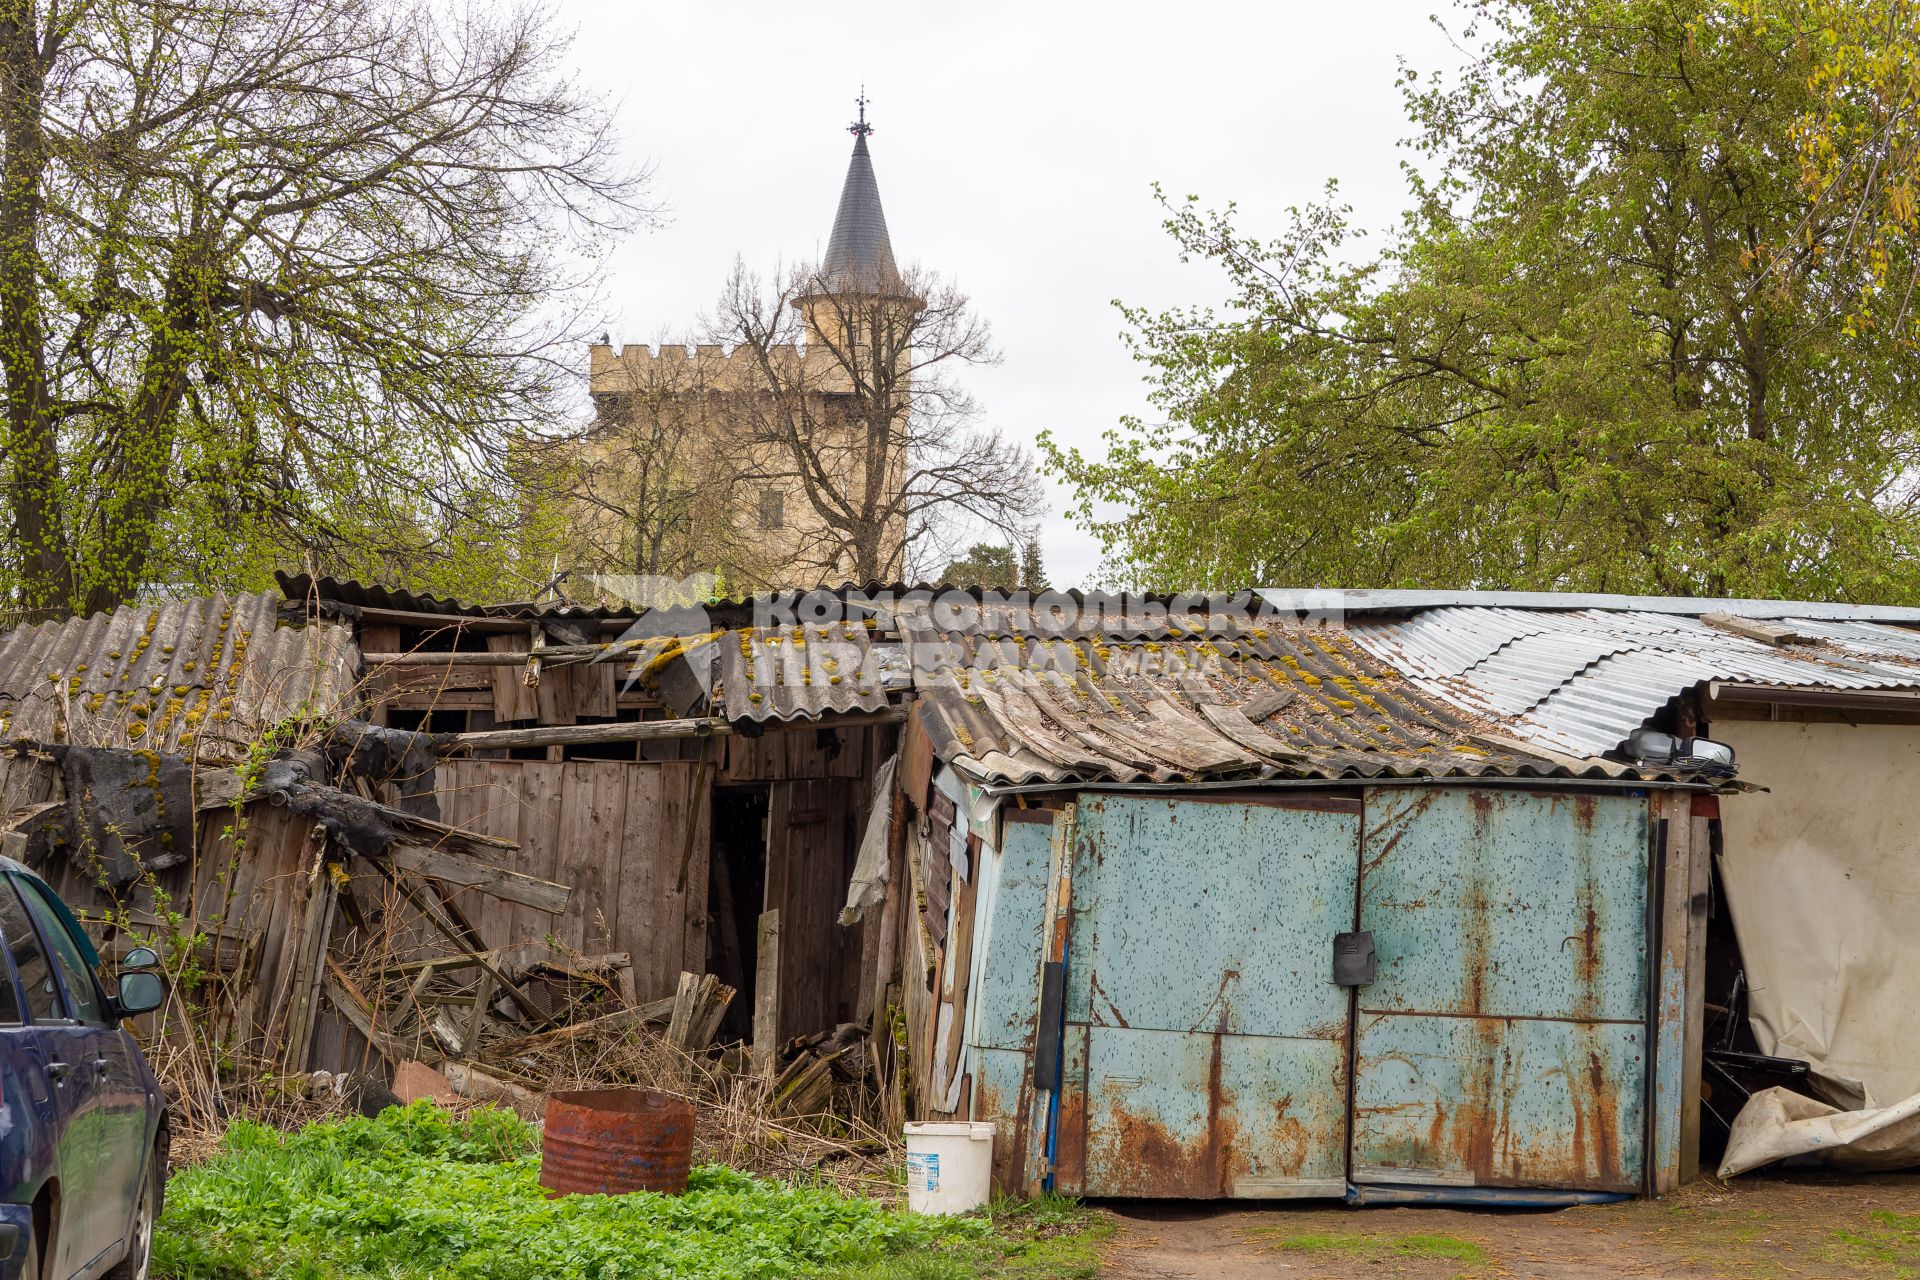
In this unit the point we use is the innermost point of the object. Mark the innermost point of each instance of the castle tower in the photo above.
(859, 253)
(859, 266)
(688, 464)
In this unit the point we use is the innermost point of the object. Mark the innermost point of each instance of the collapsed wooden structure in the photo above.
(368, 829)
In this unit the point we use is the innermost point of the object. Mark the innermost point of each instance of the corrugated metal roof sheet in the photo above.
(1333, 601)
(1579, 680)
(205, 676)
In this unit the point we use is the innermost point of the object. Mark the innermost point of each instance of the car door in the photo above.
(29, 1111)
(101, 1145)
(57, 1102)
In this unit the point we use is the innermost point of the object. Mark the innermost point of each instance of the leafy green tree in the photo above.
(1859, 137)
(278, 280)
(1613, 345)
(983, 565)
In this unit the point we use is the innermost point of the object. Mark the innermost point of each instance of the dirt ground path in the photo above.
(1762, 1227)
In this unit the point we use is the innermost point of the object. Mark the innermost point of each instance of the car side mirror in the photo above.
(140, 958)
(139, 993)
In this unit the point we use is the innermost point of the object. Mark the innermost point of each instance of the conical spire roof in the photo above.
(859, 254)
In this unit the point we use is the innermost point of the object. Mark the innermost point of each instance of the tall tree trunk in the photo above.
(144, 473)
(32, 473)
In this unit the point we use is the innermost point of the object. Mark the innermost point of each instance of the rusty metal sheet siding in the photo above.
(1201, 946)
(1503, 1040)
(1013, 887)
(1001, 1095)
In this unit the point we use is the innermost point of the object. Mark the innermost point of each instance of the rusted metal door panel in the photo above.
(1200, 950)
(1228, 1116)
(1503, 1039)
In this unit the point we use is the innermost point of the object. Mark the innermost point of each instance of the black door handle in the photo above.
(1353, 958)
(56, 1071)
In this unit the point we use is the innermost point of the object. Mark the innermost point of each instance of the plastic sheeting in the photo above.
(869, 884)
(1819, 875)
(1777, 1124)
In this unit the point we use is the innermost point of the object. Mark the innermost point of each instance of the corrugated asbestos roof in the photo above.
(802, 673)
(1580, 680)
(1289, 703)
(911, 603)
(205, 676)
(301, 587)
(1016, 709)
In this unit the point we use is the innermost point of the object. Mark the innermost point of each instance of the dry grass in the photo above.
(736, 1124)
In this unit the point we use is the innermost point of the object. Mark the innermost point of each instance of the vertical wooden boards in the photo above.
(1673, 821)
(640, 884)
(1704, 820)
(687, 831)
(811, 841)
(543, 820)
(512, 699)
(766, 996)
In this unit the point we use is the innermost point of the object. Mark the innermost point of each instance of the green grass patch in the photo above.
(1047, 1238)
(416, 1193)
(1889, 1240)
(1369, 1246)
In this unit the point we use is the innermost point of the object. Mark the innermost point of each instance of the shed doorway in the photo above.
(1501, 1039)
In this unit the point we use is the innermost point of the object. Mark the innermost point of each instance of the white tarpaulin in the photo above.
(1820, 874)
(1778, 1123)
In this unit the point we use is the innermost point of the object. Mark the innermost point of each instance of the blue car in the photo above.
(83, 1127)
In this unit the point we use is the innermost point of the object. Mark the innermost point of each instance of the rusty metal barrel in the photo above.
(612, 1141)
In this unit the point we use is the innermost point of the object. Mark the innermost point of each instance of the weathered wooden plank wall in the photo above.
(616, 832)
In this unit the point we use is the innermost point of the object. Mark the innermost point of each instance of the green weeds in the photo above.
(416, 1193)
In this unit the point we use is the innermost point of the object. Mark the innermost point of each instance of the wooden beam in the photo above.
(549, 654)
(645, 731)
(468, 873)
(1766, 632)
(766, 998)
(340, 995)
(579, 734)
(638, 1015)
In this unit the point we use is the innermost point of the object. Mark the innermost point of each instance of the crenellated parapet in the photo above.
(707, 366)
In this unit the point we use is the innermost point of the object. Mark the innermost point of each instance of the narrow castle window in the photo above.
(772, 509)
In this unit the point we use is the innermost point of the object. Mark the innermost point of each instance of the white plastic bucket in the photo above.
(949, 1165)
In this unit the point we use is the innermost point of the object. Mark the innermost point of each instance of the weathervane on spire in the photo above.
(860, 128)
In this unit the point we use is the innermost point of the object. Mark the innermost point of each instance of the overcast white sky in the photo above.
(1015, 149)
